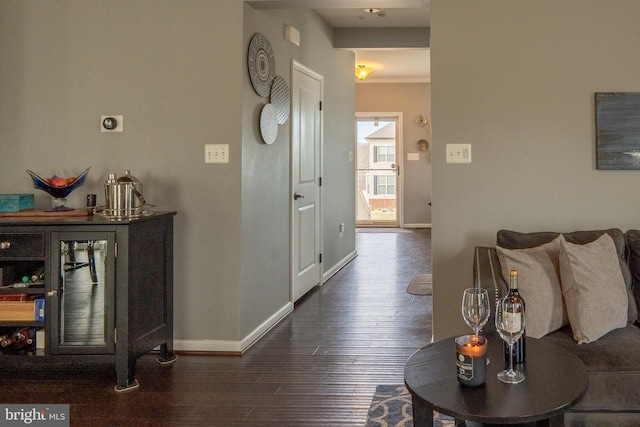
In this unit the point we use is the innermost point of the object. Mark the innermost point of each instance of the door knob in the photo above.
(297, 196)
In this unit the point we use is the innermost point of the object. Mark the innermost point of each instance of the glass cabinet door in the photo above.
(82, 293)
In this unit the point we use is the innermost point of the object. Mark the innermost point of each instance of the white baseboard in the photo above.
(333, 270)
(222, 346)
(214, 346)
(266, 325)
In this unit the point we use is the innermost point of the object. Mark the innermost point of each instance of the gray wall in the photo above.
(266, 185)
(517, 81)
(176, 71)
(411, 99)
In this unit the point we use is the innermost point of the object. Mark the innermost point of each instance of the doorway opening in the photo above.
(378, 184)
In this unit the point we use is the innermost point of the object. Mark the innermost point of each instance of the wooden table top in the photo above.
(555, 380)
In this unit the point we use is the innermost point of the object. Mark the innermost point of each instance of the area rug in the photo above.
(391, 407)
(420, 284)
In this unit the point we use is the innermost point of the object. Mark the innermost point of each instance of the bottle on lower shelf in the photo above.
(5, 341)
(22, 341)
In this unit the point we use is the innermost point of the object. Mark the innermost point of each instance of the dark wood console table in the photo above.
(107, 288)
(555, 381)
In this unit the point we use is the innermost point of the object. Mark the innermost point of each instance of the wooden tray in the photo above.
(33, 214)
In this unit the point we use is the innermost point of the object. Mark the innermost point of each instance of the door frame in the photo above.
(398, 117)
(297, 66)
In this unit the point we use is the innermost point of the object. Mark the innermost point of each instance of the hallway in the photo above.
(319, 366)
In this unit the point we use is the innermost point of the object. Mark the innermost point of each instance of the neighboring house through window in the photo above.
(384, 153)
(384, 185)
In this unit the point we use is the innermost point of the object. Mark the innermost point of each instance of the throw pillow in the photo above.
(593, 288)
(538, 284)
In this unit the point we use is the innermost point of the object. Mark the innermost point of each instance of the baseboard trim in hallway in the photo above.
(333, 270)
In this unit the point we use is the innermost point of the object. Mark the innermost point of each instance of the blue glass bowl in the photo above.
(58, 193)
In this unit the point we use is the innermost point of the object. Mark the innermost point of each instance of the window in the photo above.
(384, 184)
(384, 154)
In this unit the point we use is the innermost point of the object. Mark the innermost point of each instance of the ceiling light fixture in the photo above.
(375, 11)
(362, 71)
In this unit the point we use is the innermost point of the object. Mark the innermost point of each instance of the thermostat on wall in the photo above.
(112, 123)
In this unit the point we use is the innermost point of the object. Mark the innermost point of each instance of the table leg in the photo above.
(557, 421)
(422, 414)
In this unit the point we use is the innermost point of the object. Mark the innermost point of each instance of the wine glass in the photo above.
(475, 308)
(510, 326)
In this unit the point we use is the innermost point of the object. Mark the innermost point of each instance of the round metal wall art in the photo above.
(262, 64)
(280, 98)
(268, 124)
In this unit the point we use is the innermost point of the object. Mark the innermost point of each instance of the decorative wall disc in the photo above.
(268, 124)
(261, 63)
(280, 98)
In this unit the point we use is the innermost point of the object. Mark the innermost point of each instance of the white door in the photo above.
(379, 163)
(306, 149)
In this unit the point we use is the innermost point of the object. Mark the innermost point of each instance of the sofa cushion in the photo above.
(515, 240)
(539, 285)
(613, 364)
(617, 351)
(593, 287)
(633, 242)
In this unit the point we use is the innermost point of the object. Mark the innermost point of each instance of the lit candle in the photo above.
(471, 359)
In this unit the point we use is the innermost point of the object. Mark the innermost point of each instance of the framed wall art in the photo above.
(618, 130)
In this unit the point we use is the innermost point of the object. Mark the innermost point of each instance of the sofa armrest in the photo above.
(487, 274)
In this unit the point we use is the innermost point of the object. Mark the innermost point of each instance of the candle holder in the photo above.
(471, 360)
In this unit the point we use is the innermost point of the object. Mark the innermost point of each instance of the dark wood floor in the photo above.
(319, 366)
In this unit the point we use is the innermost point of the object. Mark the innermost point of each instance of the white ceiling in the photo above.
(388, 65)
(386, 17)
(394, 65)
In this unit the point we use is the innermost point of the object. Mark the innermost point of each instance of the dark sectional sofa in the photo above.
(612, 360)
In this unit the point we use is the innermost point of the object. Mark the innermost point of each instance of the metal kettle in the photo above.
(123, 196)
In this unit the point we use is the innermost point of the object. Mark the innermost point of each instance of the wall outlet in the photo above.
(216, 153)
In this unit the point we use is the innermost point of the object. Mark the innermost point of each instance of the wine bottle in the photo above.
(519, 348)
(5, 341)
(23, 338)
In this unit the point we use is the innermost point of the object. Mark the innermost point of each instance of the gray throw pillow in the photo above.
(538, 284)
(593, 287)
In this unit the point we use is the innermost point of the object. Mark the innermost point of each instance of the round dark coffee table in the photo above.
(555, 381)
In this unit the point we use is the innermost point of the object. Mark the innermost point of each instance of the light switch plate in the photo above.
(216, 153)
(413, 156)
(458, 153)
